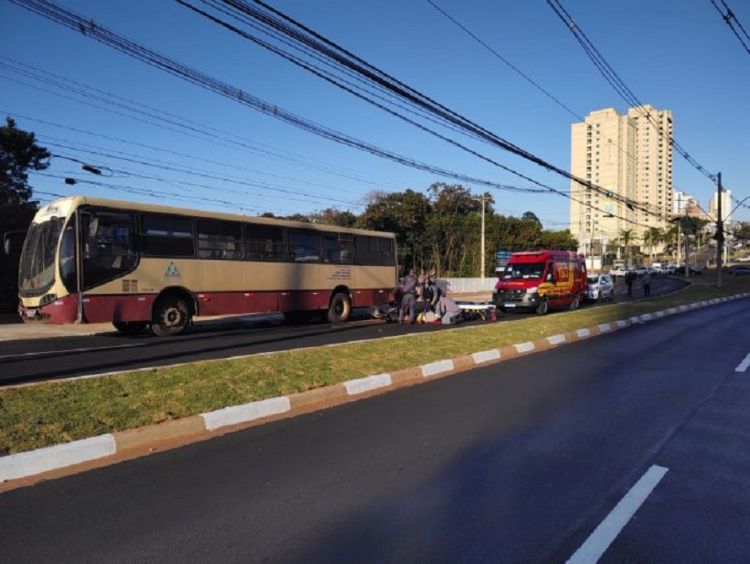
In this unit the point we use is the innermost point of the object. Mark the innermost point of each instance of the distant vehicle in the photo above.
(619, 271)
(670, 269)
(693, 270)
(136, 265)
(739, 270)
(601, 287)
(743, 259)
(639, 269)
(657, 267)
(541, 280)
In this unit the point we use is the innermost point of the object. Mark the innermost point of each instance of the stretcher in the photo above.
(472, 311)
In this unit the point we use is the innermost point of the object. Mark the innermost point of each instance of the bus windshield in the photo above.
(37, 267)
(532, 270)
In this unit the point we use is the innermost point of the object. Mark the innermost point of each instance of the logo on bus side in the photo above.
(172, 271)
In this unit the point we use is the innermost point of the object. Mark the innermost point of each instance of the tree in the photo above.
(332, 216)
(532, 218)
(19, 153)
(652, 237)
(405, 214)
(627, 238)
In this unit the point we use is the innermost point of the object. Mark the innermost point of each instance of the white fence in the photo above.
(468, 285)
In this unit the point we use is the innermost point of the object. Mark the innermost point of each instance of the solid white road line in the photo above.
(607, 531)
(64, 351)
(742, 366)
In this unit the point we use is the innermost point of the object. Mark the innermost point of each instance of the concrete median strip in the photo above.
(131, 443)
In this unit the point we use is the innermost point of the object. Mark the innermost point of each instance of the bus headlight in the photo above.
(532, 290)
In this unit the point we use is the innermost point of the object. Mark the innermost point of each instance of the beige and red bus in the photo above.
(93, 260)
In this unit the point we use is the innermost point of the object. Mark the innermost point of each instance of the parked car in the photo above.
(739, 270)
(657, 268)
(670, 269)
(693, 270)
(601, 287)
(639, 269)
(619, 271)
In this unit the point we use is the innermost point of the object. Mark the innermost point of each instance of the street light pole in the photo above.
(483, 262)
(719, 232)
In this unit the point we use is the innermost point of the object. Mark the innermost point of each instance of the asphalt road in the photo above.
(517, 462)
(63, 357)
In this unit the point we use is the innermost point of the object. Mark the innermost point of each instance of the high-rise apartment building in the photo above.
(726, 205)
(630, 155)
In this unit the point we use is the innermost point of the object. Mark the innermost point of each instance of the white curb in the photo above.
(59, 456)
(622, 323)
(556, 339)
(524, 347)
(486, 356)
(604, 327)
(245, 412)
(583, 333)
(366, 384)
(437, 367)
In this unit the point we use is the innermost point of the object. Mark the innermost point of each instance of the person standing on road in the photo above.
(647, 284)
(629, 275)
(408, 288)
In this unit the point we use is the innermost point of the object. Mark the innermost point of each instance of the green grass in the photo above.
(55, 412)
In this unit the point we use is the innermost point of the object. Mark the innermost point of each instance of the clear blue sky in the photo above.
(674, 54)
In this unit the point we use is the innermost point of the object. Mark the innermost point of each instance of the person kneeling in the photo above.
(448, 310)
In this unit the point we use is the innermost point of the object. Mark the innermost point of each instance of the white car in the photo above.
(601, 287)
(619, 271)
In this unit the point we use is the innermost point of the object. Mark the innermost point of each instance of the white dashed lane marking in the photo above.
(742, 366)
(598, 542)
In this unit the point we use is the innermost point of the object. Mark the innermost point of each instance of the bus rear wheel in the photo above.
(130, 327)
(340, 308)
(171, 317)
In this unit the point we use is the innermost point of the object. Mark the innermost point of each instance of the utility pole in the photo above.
(483, 262)
(719, 232)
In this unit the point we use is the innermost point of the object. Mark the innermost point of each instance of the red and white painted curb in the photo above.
(188, 429)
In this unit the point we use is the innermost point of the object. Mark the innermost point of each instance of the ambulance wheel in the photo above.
(575, 303)
(171, 317)
(340, 308)
(130, 327)
(543, 307)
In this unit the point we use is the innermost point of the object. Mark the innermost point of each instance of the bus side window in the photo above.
(304, 245)
(386, 252)
(337, 248)
(264, 242)
(167, 236)
(109, 249)
(219, 239)
(550, 272)
(366, 251)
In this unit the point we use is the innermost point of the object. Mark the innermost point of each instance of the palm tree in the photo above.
(627, 238)
(653, 236)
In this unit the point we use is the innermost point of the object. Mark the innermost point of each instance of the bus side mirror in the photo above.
(7, 245)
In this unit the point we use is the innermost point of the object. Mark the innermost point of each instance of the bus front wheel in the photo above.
(130, 327)
(171, 317)
(340, 308)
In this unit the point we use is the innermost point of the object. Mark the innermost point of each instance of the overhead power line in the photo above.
(152, 58)
(730, 18)
(504, 60)
(276, 21)
(619, 85)
(119, 105)
(77, 23)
